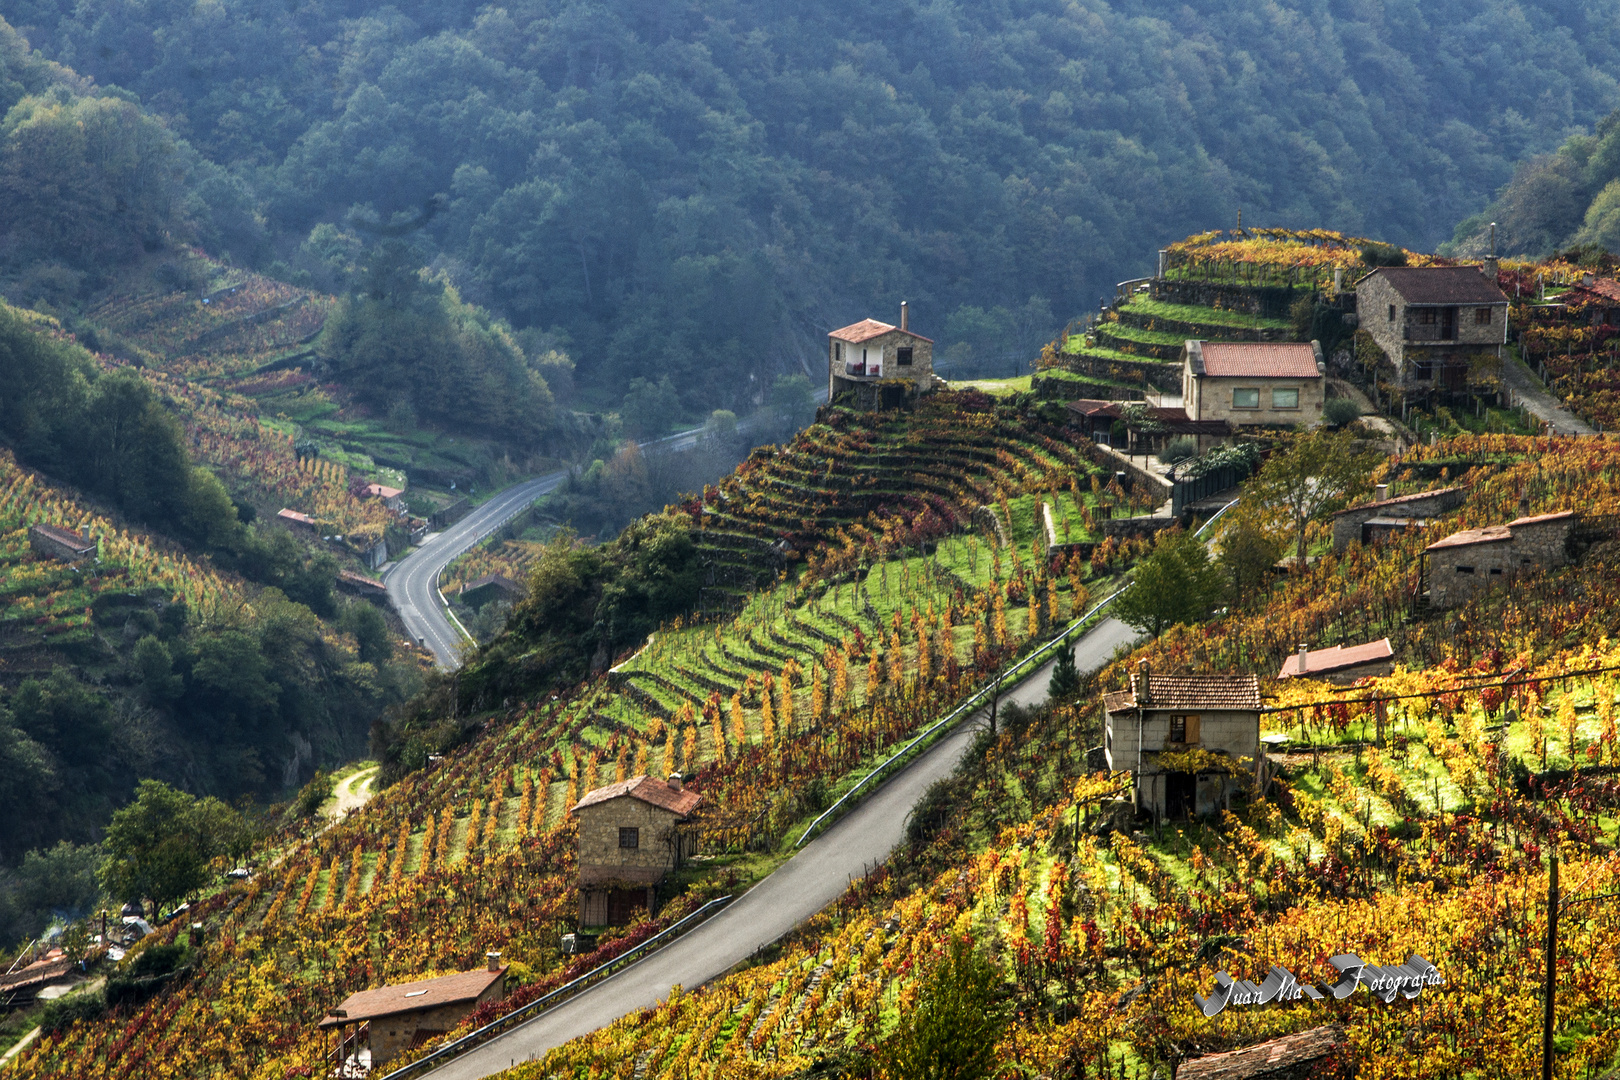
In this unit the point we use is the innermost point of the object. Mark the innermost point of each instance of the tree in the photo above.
(952, 1032)
(159, 846)
(1175, 583)
(649, 407)
(1247, 553)
(1319, 473)
(1065, 681)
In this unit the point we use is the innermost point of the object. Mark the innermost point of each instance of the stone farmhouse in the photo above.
(1245, 382)
(1371, 521)
(55, 542)
(1472, 561)
(1600, 297)
(630, 836)
(1185, 739)
(1432, 321)
(879, 365)
(375, 1026)
(1340, 665)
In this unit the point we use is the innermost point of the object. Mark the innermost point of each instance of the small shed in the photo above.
(391, 1019)
(356, 584)
(1341, 665)
(481, 591)
(1371, 521)
(630, 836)
(1472, 561)
(1186, 739)
(297, 521)
(55, 542)
(1304, 1055)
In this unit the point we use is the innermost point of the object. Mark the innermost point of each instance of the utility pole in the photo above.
(1552, 968)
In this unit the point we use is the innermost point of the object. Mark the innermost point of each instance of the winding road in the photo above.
(802, 886)
(413, 582)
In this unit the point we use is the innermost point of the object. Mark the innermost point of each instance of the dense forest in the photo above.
(701, 189)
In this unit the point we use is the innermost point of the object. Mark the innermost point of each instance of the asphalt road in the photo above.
(413, 582)
(802, 886)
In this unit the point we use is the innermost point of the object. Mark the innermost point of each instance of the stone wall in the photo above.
(1269, 302)
(1048, 388)
(1214, 397)
(1154, 374)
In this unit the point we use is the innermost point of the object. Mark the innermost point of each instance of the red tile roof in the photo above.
(1276, 1058)
(294, 515)
(1259, 360)
(1337, 658)
(867, 329)
(409, 997)
(360, 579)
(1398, 500)
(653, 792)
(1441, 284)
(1240, 692)
(1495, 534)
(378, 491)
(1602, 288)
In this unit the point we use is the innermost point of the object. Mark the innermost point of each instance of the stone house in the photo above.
(392, 497)
(1340, 665)
(880, 365)
(1186, 739)
(1433, 321)
(389, 1020)
(480, 591)
(1370, 521)
(1472, 561)
(1246, 382)
(55, 542)
(630, 836)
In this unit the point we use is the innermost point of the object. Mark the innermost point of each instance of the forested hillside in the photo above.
(700, 189)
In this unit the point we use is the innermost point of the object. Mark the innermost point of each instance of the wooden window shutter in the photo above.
(1192, 728)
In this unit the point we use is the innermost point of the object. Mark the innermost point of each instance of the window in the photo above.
(1285, 399)
(1245, 399)
(1428, 316)
(629, 837)
(838, 351)
(1465, 569)
(1392, 313)
(902, 356)
(1178, 729)
(1482, 316)
(1496, 570)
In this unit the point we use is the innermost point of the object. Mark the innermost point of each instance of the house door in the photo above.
(893, 397)
(1180, 791)
(1448, 324)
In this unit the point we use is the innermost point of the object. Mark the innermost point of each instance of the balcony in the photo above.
(863, 371)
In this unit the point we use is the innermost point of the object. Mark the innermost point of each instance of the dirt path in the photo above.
(352, 792)
(1529, 392)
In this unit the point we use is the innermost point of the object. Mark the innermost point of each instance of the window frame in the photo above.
(1392, 313)
(1177, 721)
(1482, 316)
(1428, 316)
(631, 833)
(1285, 390)
(903, 355)
(1237, 390)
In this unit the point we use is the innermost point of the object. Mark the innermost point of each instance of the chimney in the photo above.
(1144, 692)
(676, 782)
(1304, 664)
(1491, 268)
(494, 960)
(1380, 492)
(905, 313)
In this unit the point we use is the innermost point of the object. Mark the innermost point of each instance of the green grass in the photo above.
(1197, 314)
(1077, 345)
(1146, 337)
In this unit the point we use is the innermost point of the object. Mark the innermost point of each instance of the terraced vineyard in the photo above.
(48, 605)
(241, 323)
(855, 487)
